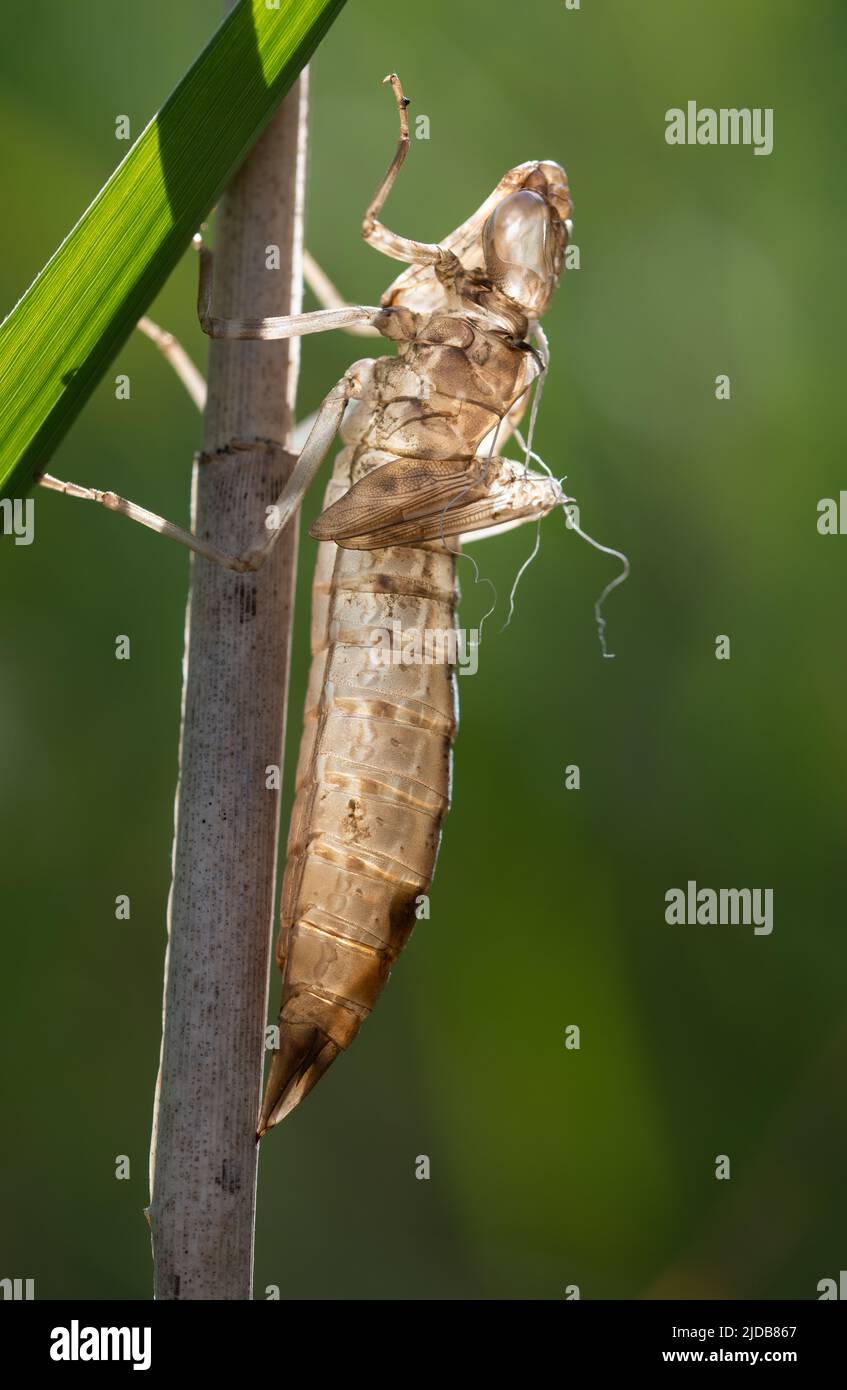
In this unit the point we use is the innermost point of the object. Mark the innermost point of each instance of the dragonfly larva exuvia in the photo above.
(421, 467)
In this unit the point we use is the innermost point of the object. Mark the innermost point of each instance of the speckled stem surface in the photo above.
(204, 1155)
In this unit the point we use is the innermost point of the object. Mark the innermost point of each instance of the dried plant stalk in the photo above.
(204, 1156)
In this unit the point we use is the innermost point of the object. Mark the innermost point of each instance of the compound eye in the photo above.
(516, 232)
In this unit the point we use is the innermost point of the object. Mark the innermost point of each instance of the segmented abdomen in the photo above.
(372, 788)
(373, 778)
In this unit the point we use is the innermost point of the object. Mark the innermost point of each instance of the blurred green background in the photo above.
(549, 1167)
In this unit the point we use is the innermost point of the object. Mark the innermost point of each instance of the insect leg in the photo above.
(326, 423)
(317, 280)
(192, 379)
(123, 507)
(375, 234)
(281, 326)
(328, 296)
(175, 354)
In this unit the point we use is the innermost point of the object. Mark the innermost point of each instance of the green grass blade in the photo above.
(59, 339)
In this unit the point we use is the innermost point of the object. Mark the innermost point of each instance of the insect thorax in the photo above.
(450, 383)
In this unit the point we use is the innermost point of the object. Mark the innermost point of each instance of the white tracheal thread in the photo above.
(606, 550)
(570, 523)
(463, 555)
(491, 453)
(477, 577)
(519, 576)
(528, 454)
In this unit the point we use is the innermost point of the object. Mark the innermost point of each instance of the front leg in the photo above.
(375, 234)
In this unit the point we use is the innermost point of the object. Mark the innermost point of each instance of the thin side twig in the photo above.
(203, 1155)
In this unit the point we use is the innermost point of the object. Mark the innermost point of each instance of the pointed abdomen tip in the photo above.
(303, 1056)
